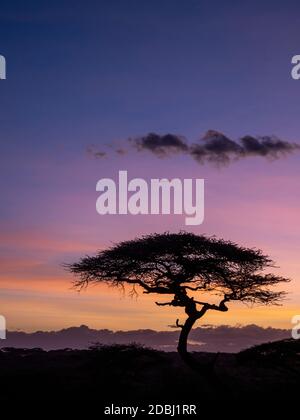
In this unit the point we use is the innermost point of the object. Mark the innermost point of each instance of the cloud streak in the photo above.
(213, 148)
(161, 145)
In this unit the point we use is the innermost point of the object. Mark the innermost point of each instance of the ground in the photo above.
(122, 373)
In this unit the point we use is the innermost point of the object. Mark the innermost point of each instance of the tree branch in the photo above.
(164, 303)
(178, 325)
(221, 307)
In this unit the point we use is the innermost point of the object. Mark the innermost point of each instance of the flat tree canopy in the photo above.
(185, 266)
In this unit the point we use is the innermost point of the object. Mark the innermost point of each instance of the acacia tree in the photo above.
(185, 266)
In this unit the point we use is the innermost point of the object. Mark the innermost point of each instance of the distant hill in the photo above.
(207, 338)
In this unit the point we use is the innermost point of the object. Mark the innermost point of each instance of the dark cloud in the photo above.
(121, 151)
(267, 146)
(161, 145)
(214, 147)
(95, 153)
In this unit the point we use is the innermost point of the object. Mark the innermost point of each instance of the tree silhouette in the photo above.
(186, 266)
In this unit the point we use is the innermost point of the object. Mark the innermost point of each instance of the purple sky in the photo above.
(95, 73)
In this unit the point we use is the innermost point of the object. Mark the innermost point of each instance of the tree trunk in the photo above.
(182, 342)
(205, 369)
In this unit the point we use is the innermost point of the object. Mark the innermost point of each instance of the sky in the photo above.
(92, 74)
